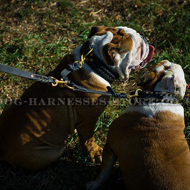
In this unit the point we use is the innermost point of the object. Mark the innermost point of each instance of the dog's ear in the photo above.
(101, 30)
(120, 46)
(150, 79)
(147, 78)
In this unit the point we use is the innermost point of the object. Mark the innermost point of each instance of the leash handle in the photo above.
(26, 74)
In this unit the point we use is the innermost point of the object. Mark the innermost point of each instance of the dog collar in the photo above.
(146, 97)
(97, 65)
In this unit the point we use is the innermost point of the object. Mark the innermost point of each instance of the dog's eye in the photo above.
(177, 88)
(144, 75)
(142, 79)
(166, 67)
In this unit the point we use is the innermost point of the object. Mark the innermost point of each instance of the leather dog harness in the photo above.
(147, 96)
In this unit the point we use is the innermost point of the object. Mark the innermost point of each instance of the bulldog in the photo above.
(148, 138)
(34, 129)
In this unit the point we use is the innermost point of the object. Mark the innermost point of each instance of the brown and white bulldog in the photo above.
(148, 138)
(34, 129)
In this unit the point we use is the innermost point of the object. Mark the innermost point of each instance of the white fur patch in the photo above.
(132, 58)
(151, 109)
(88, 70)
(174, 79)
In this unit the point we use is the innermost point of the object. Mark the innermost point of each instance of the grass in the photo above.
(36, 34)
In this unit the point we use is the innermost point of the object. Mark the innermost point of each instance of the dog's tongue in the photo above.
(149, 57)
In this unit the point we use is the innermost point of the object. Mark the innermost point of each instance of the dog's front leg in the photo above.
(87, 141)
(109, 160)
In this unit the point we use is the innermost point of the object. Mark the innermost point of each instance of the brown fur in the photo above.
(152, 152)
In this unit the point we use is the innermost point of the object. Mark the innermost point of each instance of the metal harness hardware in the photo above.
(81, 62)
(135, 95)
(63, 83)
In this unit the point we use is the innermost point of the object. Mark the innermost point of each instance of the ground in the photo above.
(36, 34)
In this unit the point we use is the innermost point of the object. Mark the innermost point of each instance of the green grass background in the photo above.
(36, 34)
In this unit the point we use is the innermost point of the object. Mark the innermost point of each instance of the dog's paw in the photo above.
(92, 185)
(93, 150)
(96, 153)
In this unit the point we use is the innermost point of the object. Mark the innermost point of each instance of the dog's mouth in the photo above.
(146, 60)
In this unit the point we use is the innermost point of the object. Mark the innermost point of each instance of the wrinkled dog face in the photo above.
(121, 47)
(141, 52)
(165, 77)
